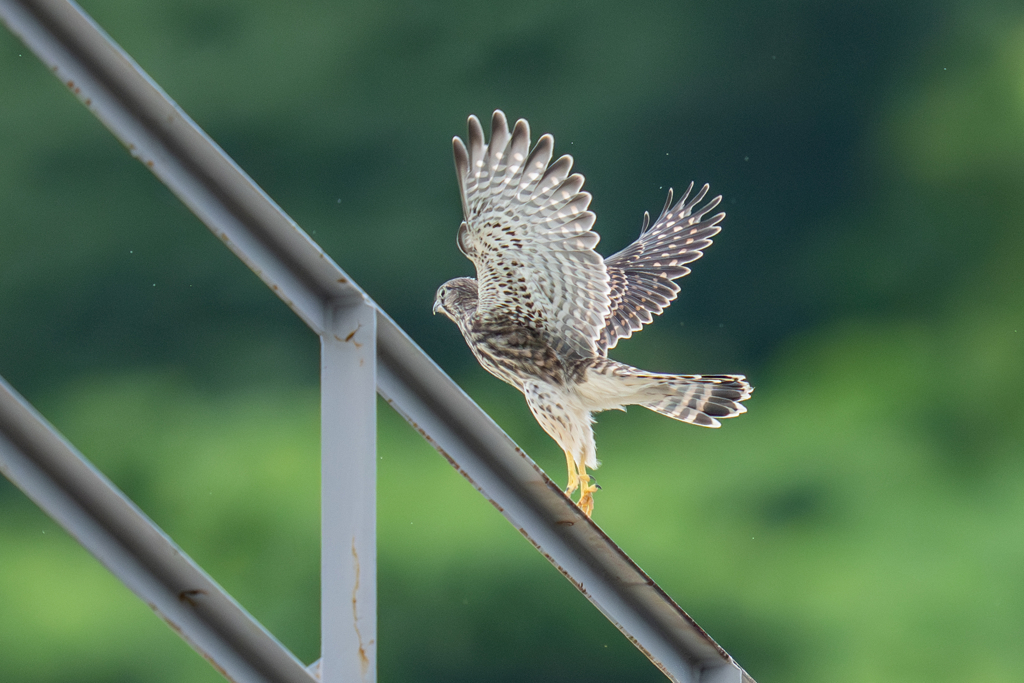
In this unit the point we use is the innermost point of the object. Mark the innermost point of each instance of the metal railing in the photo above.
(363, 352)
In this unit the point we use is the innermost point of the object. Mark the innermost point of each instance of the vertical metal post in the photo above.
(348, 418)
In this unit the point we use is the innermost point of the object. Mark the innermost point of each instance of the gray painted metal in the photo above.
(348, 559)
(162, 136)
(74, 493)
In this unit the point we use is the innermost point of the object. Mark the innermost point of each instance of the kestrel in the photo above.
(545, 308)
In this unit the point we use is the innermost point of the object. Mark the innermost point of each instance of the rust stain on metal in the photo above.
(195, 646)
(219, 669)
(582, 589)
(352, 334)
(188, 596)
(216, 666)
(647, 653)
(579, 584)
(342, 281)
(437, 447)
(364, 661)
(173, 625)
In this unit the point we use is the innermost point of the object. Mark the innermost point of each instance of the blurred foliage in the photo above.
(861, 523)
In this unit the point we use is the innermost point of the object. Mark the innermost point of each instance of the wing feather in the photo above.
(528, 231)
(641, 275)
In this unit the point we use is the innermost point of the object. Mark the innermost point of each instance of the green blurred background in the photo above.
(864, 522)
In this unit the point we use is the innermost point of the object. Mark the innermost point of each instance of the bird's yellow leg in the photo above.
(586, 501)
(574, 480)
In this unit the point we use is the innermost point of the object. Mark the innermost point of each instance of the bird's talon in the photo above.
(587, 488)
(586, 503)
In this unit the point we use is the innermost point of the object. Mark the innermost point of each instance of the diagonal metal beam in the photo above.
(77, 495)
(158, 133)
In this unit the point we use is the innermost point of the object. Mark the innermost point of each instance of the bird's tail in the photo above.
(702, 399)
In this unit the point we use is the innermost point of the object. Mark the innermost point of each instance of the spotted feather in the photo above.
(527, 231)
(641, 274)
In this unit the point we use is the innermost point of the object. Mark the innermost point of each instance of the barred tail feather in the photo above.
(703, 399)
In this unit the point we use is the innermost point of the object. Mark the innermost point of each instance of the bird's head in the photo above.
(456, 299)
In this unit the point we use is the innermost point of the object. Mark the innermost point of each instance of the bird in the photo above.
(545, 308)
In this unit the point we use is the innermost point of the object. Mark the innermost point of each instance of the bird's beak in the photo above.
(437, 306)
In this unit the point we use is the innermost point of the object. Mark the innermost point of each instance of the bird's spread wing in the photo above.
(641, 274)
(527, 231)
